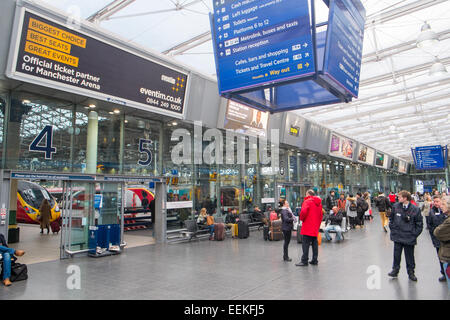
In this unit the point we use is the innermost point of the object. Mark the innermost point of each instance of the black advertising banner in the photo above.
(50, 51)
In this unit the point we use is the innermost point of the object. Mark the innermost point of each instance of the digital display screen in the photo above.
(245, 120)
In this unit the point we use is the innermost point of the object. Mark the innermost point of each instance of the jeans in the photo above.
(333, 228)
(6, 254)
(307, 242)
(447, 274)
(409, 256)
(287, 240)
(211, 229)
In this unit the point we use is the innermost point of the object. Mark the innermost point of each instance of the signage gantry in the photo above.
(269, 54)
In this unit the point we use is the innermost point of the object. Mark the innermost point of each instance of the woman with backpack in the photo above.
(350, 208)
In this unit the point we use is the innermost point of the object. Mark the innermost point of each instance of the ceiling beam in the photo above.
(107, 11)
(189, 44)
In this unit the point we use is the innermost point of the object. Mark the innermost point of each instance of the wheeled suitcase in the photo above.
(55, 226)
(266, 233)
(219, 231)
(243, 230)
(275, 233)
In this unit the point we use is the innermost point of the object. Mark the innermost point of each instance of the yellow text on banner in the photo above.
(51, 54)
(57, 33)
(48, 41)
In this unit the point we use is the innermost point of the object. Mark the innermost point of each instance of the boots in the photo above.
(393, 273)
(411, 276)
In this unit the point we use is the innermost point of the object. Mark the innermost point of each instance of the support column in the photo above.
(4, 204)
(160, 223)
(92, 143)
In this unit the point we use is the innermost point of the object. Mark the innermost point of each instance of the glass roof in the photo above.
(400, 104)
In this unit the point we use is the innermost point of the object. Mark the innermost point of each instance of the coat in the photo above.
(45, 212)
(434, 219)
(351, 214)
(442, 233)
(335, 219)
(402, 231)
(382, 203)
(288, 220)
(311, 216)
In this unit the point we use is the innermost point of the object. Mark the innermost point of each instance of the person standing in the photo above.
(442, 233)
(436, 217)
(311, 216)
(351, 208)
(406, 224)
(383, 204)
(369, 204)
(392, 198)
(331, 202)
(287, 219)
(341, 202)
(45, 215)
(361, 208)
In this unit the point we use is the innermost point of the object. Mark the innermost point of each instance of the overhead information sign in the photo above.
(261, 41)
(343, 54)
(48, 53)
(430, 157)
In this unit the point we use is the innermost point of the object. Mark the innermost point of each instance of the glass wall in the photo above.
(3, 99)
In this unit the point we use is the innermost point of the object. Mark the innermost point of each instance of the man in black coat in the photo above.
(335, 219)
(383, 204)
(361, 208)
(331, 202)
(406, 224)
(434, 219)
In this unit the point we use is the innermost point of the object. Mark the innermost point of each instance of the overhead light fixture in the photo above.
(174, 123)
(116, 111)
(438, 69)
(92, 106)
(26, 101)
(427, 37)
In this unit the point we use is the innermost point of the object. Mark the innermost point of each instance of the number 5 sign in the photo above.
(143, 148)
(48, 148)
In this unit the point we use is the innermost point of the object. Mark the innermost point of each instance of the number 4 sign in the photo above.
(48, 149)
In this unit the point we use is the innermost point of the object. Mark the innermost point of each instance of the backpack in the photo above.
(352, 206)
(365, 206)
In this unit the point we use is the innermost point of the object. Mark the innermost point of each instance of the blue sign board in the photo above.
(259, 42)
(430, 158)
(344, 47)
(98, 201)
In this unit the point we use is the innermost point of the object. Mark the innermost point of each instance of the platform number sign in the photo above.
(37, 145)
(143, 149)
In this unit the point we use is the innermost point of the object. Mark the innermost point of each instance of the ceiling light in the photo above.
(26, 101)
(427, 37)
(174, 123)
(92, 106)
(438, 69)
(116, 111)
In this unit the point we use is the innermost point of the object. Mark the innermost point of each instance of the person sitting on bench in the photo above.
(335, 219)
(7, 254)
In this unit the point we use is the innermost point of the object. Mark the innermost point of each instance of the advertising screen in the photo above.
(245, 120)
(51, 54)
(366, 154)
(341, 147)
(380, 159)
(402, 167)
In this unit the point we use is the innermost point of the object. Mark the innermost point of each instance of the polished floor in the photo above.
(240, 270)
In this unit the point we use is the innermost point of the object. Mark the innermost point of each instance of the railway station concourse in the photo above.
(127, 127)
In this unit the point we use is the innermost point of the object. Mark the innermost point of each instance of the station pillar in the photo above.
(92, 143)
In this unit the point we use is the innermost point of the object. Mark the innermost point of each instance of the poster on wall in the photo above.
(341, 147)
(49, 53)
(245, 120)
(366, 155)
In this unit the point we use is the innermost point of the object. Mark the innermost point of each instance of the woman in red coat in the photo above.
(311, 217)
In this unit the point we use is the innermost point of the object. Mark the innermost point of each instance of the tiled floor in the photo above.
(240, 269)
